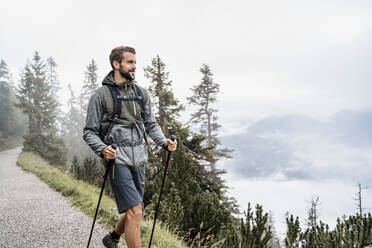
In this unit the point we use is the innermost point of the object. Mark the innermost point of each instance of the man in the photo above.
(105, 127)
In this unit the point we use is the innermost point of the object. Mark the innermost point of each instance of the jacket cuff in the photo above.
(99, 151)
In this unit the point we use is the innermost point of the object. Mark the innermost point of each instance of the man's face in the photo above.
(128, 66)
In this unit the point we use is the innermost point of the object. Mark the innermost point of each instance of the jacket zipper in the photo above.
(131, 131)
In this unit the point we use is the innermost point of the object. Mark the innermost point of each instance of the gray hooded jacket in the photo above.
(129, 129)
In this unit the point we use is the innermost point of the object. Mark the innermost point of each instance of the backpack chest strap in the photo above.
(130, 98)
(117, 98)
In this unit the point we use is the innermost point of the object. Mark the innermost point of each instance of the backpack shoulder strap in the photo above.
(138, 92)
(115, 93)
(141, 99)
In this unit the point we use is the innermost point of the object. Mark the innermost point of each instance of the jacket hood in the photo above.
(109, 80)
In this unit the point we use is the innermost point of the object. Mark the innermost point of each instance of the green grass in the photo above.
(85, 197)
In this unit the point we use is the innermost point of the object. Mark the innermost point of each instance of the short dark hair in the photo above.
(117, 53)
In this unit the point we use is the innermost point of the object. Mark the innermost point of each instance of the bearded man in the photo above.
(126, 127)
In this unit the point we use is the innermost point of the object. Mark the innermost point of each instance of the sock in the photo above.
(114, 235)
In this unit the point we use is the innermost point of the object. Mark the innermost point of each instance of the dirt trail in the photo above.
(34, 215)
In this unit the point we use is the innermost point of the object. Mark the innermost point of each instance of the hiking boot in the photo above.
(109, 242)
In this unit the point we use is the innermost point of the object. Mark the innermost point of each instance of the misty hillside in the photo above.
(299, 147)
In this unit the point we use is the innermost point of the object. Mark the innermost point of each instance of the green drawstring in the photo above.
(113, 170)
(134, 108)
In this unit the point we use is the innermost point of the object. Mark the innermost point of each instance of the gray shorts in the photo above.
(128, 185)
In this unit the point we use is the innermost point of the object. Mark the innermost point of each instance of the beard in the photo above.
(125, 74)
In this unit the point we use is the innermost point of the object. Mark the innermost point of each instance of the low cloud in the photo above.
(297, 147)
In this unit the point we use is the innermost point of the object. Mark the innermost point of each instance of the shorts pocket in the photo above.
(120, 174)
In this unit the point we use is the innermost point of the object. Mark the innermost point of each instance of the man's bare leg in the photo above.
(132, 225)
(120, 225)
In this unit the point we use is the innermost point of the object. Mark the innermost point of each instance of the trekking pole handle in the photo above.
(173, 138)
(114, 146)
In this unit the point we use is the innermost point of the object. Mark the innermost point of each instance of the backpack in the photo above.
(117, 98)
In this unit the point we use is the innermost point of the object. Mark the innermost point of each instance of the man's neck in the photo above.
(118, 78)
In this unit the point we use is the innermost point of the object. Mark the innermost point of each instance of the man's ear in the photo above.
(116, 65)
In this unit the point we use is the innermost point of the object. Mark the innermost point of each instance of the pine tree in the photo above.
(167, 106)
(74, 166)
(36, 101)
(170, 208)
(356, 231)
(90, 84)
(52, 80)
(52, 77)
(6, 76)
(199, 206)
(292, 239)
(91, 171)
(229, 235)
(274, 241)
(27, 94)
(324, 237)
(7, 119)
(12, 120)
(4, 71)
(173, 213)
(204, 96)
(254, 230)
(72, 126)
(6, 109)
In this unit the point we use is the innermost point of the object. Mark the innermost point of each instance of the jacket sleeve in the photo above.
(151, 125)
(92, 125)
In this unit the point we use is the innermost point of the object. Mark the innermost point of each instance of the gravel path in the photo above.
(34, 215)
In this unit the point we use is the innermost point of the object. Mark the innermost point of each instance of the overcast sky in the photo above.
(270, 57)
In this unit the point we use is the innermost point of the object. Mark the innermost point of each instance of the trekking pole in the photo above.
(173, 138)
(111, 161)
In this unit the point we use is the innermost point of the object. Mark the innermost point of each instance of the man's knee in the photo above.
(135, 213)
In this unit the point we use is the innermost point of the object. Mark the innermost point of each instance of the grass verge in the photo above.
(85, 197)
